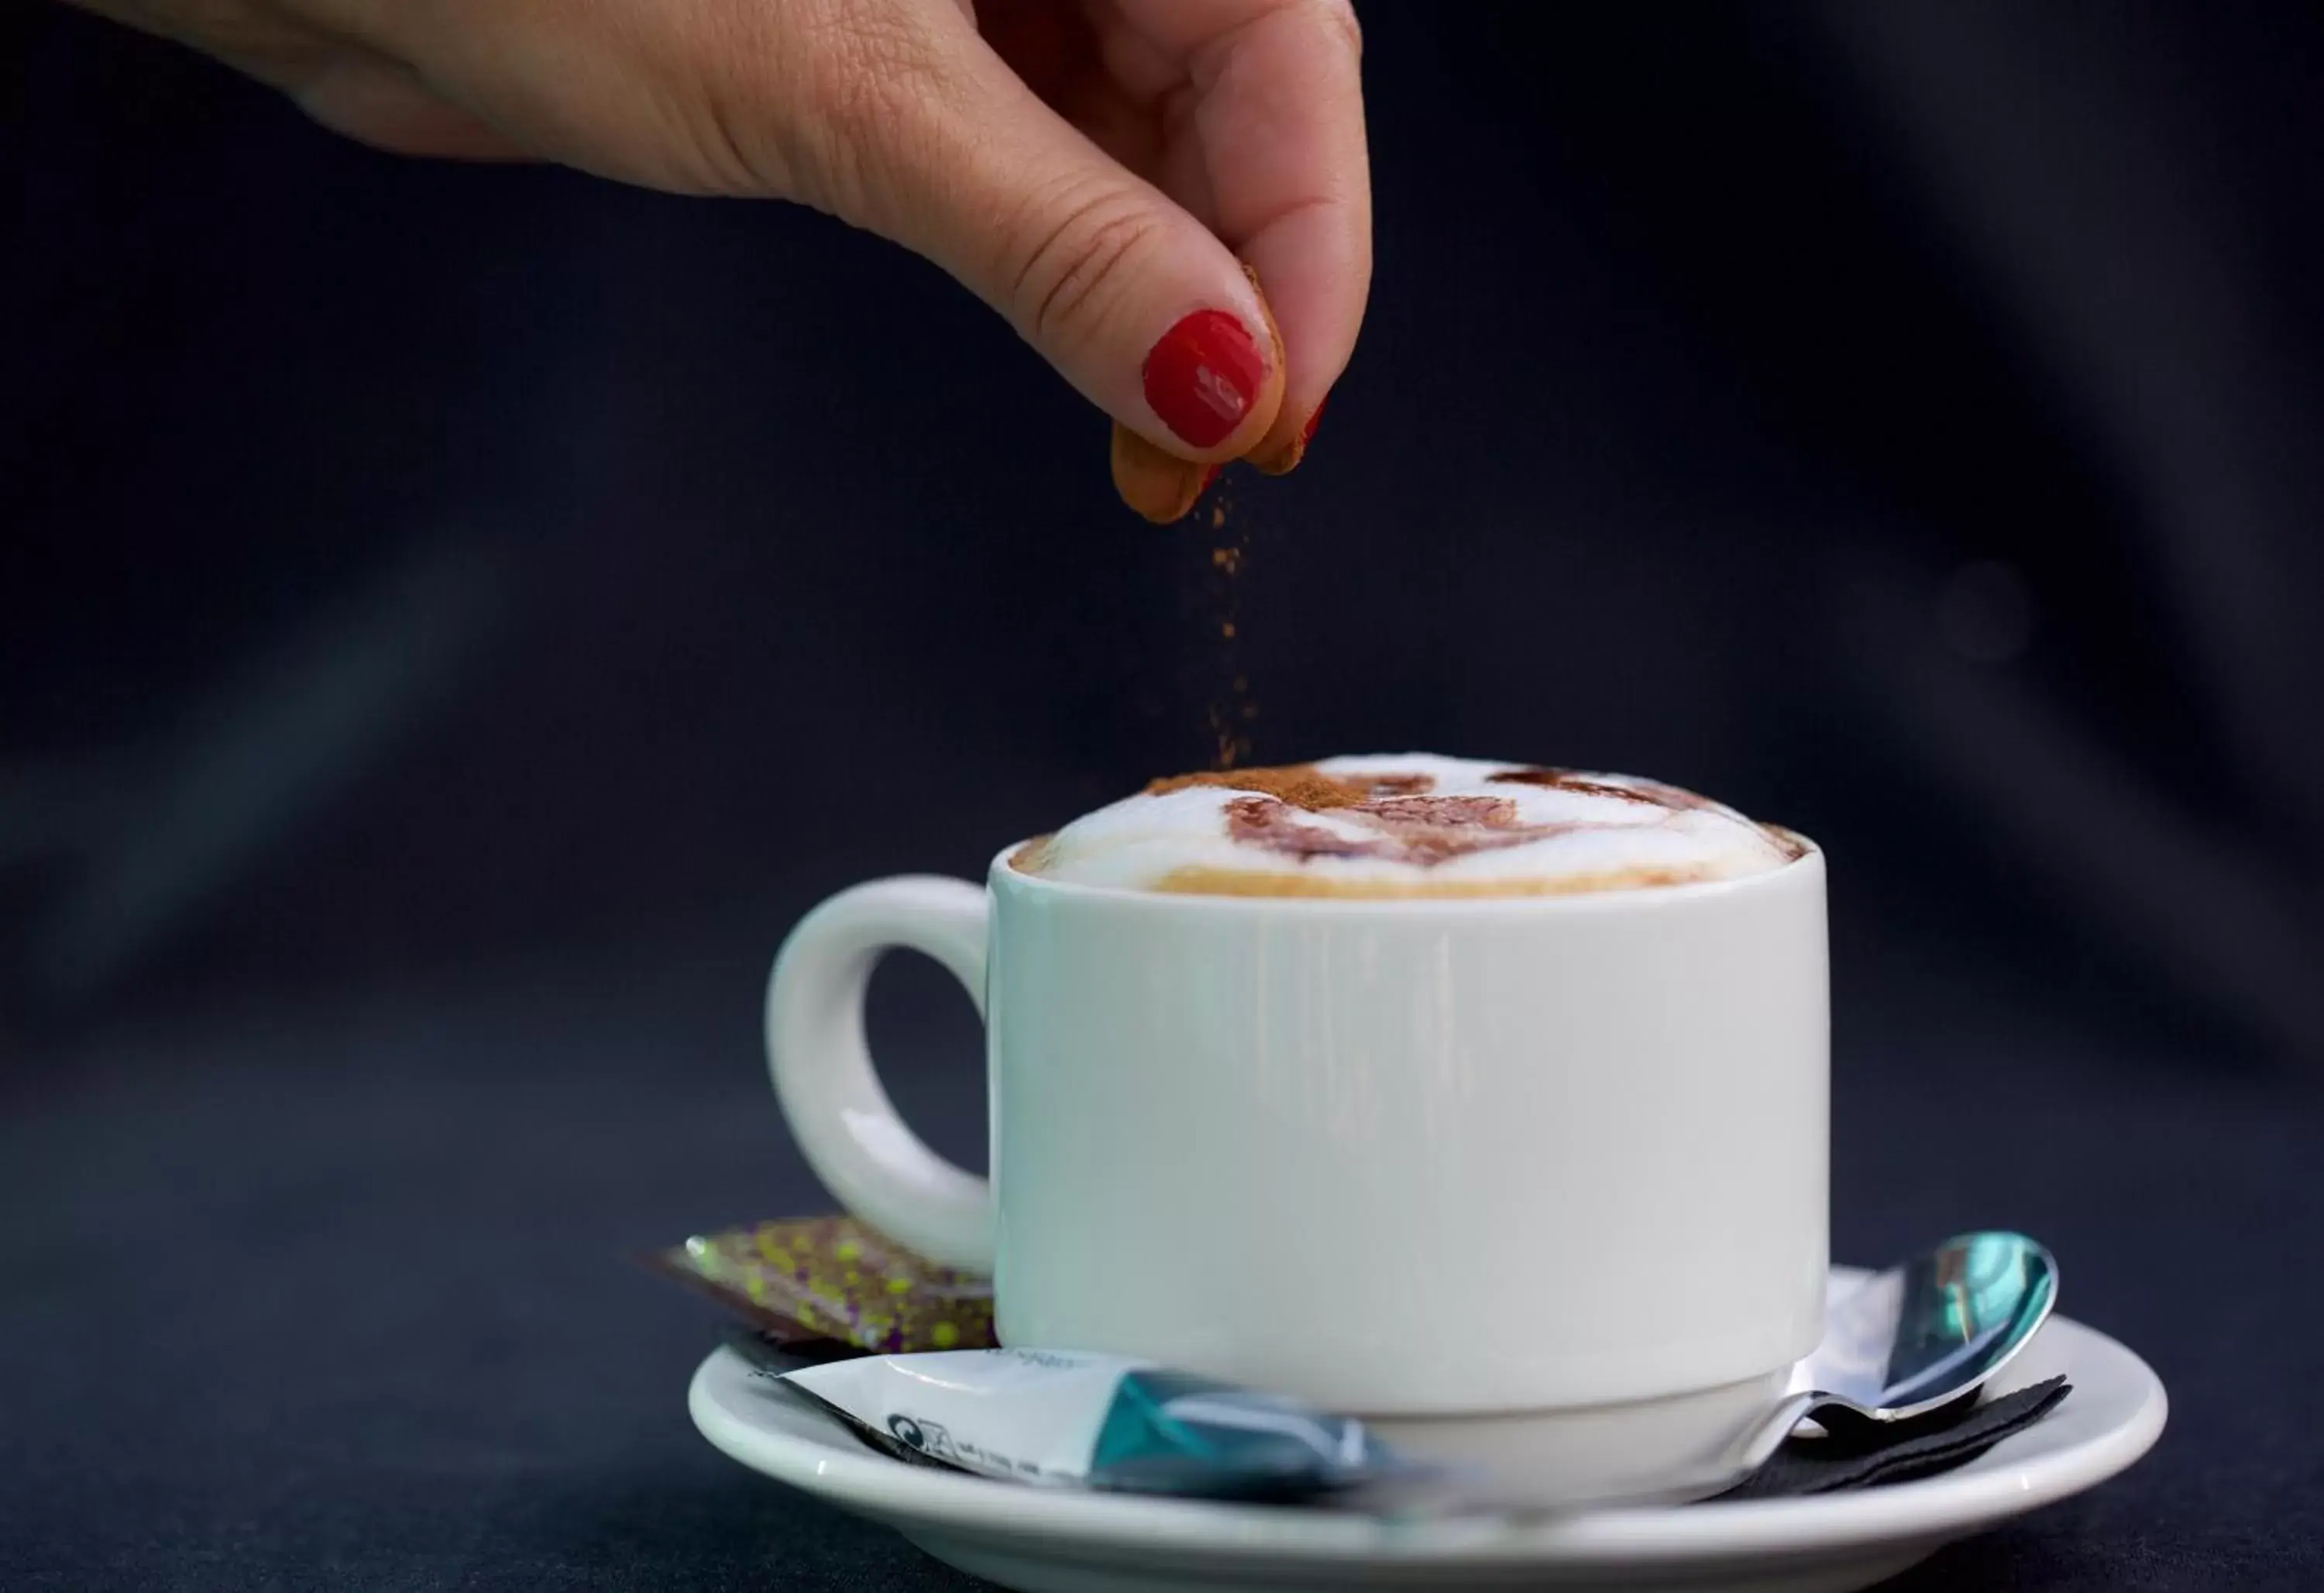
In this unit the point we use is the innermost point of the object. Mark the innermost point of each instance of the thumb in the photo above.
(1134, 303)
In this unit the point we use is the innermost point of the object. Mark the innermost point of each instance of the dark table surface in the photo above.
(337, 1295)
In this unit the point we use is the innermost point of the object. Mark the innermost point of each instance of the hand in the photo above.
(1092, 169)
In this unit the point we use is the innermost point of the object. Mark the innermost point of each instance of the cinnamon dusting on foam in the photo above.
(1410, 825)
(1790, 842)
(1237, 882)
(1582, 785)
(1423, 830)
(1793, 845)
(1302, 785)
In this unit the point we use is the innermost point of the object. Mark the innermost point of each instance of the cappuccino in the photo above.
(1276, 1140)
(1406, 825)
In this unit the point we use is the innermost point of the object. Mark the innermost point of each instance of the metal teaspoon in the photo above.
(1916, 1337)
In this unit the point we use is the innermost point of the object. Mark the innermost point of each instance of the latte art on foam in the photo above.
(1407, 825)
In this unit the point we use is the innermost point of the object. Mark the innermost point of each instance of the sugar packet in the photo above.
(831, 1282)
(1064, 1419)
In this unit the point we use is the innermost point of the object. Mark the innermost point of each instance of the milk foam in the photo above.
(1412, 824)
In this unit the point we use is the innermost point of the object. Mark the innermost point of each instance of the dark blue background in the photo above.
(453, 619)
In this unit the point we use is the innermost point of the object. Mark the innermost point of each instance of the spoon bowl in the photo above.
(1916, 1337)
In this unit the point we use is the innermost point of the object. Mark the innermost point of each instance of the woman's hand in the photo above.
(1094, 169)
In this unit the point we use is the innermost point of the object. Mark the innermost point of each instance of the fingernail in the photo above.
(1307, 432)
(1204, 375)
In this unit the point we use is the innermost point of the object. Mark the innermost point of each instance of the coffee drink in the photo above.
(1406, 825)
(1527, 1121)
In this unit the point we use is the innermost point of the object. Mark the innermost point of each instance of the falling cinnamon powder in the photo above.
(1231, 708)
(1165, 489)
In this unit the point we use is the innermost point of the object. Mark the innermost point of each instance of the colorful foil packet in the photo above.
(822, 1286)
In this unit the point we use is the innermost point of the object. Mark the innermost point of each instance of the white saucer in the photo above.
(1049, 1541)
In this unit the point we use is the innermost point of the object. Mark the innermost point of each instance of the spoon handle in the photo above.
(1753, 1449)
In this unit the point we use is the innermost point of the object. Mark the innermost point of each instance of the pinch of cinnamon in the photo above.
(1163, 488)
(1276, 458)
(1282, 458)
(1158, 484)
(1278, 369)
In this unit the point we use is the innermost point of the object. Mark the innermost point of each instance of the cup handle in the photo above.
(841, 1117)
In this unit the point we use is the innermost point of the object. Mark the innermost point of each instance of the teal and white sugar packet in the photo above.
(1064, 1419)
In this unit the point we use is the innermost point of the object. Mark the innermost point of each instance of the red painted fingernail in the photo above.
(1307, 432)
(1209, 474)
(1202, 377)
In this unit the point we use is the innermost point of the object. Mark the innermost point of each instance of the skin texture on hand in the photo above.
(1097, 171)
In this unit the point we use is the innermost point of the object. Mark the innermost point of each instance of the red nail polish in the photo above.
(1203, 375)
(1209, 474)
(1307, 432)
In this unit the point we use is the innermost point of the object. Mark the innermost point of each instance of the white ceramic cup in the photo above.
(1418, 1159)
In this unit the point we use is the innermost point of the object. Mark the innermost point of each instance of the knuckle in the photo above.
(816, 102)
(1340, 15)
(736, 145)
(1075, 259)
(871, 78)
